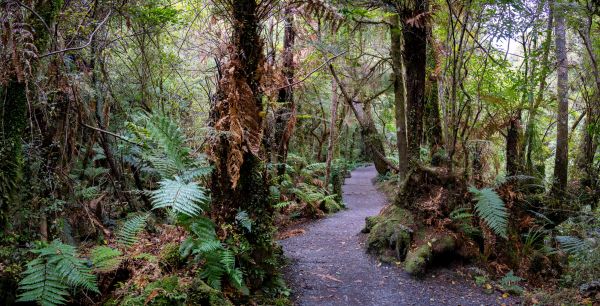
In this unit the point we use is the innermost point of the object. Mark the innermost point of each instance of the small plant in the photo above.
(57, 269)
(127, 234)
(491, 209)
(105, 259)
(510, 283)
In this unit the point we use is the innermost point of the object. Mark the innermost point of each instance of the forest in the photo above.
(283, 152)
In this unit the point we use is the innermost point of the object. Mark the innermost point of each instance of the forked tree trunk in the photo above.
(561, 161)
(238, 182)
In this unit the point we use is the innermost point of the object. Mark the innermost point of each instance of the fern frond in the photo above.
(491, 209)
(213, 270)
(180, 196)
(127, 234)
(56, 269)
(244, 220)
(572, 245)
(105, 258)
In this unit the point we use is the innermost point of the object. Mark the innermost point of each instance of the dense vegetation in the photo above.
(151, 152)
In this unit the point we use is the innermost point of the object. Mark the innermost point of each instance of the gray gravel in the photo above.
(329, 265)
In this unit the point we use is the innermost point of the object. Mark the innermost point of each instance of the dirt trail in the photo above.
(329, 265)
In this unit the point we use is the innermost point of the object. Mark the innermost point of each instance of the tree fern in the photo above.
(491, 209)
(127, 234)
(105, 258)
(180, 196)
(49, 277)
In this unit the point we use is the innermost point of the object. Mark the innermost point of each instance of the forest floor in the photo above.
(329, 264)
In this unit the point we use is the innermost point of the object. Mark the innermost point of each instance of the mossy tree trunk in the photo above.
(14, 100)
(399, 95)
(285, 116)
(415, 55)
(238, 182)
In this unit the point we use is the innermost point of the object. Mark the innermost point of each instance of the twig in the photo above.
(86, 44)
(112, 134)
(312, 72)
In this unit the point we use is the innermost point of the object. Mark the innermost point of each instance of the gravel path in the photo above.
(329, 265)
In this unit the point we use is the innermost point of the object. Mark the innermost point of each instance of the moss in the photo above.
(370, 222)
(200, 293)
(330, 206)
(417, 260)
(389, 232)
(169, 256)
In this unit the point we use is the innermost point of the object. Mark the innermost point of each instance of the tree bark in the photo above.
(399, 95)
(415, 55)
(561, 161)
(332, 131)
(238, 181)
(285, 116)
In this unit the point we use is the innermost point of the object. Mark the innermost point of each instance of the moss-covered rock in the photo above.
(200, 293)
(389, 233)
(330, 206)
(418, 259)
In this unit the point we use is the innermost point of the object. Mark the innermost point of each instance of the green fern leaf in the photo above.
(244, 220)
(572, 245)
(127, 234)
(49, 277)
(180, 196)
(491, 209)
(105, 259)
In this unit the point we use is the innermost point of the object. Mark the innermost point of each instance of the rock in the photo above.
(389, 234)
(590, 289)
(417, 260)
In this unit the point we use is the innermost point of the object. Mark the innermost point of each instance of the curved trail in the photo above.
(329, 265)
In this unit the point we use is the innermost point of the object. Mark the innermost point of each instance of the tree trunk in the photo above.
(238, 182)
(399, 95)
(589, 142)
(332, 132)
(545, 70)
(513, 165)
(561, 161)
(285, 116)
(433, 123)
(415, 55)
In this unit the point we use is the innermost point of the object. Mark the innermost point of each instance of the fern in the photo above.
(491, 209)
(244, 220)
(573, 245)
(105, 259)
(180, 196)
(218, 261)
(49, 277)
(127, 234)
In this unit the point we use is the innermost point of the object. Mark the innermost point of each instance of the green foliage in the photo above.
(105, 259)
(219, 262)
(491, 209)
(573, 245)
(56, 269)
(127, 234)
(180, 196)
(244, 220)
(463, 218)
(510, 283)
